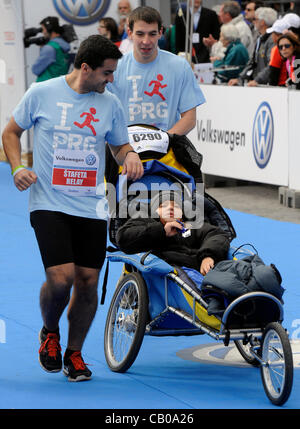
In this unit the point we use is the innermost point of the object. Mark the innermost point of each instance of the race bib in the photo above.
(74, 172)
(196, 38)
(145, 139)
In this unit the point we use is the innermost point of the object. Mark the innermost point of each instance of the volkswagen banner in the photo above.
(242, 133)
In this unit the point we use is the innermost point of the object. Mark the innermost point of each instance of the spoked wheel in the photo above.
(277, 368)
(126, 323)
(244, 350)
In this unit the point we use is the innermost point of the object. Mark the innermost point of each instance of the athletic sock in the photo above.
(68, 353)
(47, 331)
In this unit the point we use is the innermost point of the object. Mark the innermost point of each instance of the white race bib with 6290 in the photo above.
(147, 139)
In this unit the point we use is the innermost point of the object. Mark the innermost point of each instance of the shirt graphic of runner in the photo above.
(157, 87)
(89, 118)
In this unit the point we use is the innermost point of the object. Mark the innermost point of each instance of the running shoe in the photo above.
(50, 351)
(75, 368)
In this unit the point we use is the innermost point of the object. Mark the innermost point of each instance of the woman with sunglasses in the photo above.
(289, 48)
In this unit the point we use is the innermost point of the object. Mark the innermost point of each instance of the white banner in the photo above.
(294, 140)
(203, 72)
(242, 133)
(12, 83)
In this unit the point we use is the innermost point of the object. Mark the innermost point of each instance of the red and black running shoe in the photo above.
(75, 368)
(50, 351)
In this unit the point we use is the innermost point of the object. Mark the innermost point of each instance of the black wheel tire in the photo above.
(277, 395)
(136, 281)
(245, 354)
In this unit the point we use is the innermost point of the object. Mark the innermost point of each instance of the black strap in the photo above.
(130, 151)
(104, 283)
(112, 249)
(246, 244)
(145, 256)
(104, 286)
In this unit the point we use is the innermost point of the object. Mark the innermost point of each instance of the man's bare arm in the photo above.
(185, 124)
(130, 160)
(12, 148)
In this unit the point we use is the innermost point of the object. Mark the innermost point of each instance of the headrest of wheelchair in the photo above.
(155, 167)
(156, 176)
(151, 127)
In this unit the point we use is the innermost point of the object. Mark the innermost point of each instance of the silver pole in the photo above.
(189, 29)
(187, 25)
(25, 72)
(191, 32)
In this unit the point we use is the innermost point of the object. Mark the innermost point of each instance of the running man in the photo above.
(156, 87)
(66, 185)
(89, 118)
(170, 106)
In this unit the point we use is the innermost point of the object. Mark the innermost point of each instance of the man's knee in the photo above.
(86, 277)
(60, 278)
(86, 282)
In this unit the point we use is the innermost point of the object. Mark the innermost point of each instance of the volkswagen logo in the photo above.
(81, 12)
(90, 159)
(263, 135)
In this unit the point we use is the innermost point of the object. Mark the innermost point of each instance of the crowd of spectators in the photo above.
(240, 42)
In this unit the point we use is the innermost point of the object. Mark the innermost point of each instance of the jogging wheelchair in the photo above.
(154, 298)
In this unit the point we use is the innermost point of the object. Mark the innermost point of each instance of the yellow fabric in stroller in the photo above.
(201, 313)
(168, 159)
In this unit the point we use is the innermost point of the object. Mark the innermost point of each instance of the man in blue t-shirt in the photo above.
(155, 87)
(73, 117)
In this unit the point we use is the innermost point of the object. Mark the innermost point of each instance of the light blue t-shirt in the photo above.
(156, 93)
(70, 131)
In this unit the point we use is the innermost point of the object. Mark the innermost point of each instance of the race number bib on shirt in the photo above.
(146, 139)
(196, 38)
(74, 172)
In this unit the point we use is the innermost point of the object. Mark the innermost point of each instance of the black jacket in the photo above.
(208, 24)
(142, 235)
(258, 66)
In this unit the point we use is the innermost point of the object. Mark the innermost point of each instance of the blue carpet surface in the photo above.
(159, 378)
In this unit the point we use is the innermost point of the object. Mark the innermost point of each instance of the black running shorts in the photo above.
(63, 238)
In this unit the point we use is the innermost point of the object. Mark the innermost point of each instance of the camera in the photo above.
(29, 38)
(68, 34)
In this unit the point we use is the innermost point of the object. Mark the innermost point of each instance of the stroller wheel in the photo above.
(126, 322)
(277, 368)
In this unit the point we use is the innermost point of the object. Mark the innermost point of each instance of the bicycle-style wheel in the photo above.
(126, 323)
(277, 370)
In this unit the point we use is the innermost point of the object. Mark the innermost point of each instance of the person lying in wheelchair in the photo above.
(154, 298)
(169, 237)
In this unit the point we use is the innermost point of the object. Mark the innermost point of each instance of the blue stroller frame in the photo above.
(153, 298)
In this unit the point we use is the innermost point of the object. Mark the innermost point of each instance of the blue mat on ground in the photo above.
(159, 378)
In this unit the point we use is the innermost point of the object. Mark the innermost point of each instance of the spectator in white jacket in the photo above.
(230, 12)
